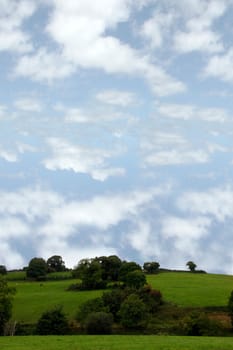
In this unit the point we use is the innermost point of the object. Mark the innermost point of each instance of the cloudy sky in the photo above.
(116, 131)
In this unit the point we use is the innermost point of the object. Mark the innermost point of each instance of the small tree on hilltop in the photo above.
(37, 269)
(191, 265)
(55, 264)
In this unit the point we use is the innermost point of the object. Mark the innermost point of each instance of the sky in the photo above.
(116, 131)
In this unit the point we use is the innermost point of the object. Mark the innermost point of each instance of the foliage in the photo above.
(151, 267)
(112, 300)
(6, 299)
(135, 279)
(198, 324)
(99, 323)
(90, 272)
(133, 312)
(126, 268)
(191, 265)
(90, 306)
(37, 269)
(52, 322)
(55, 264)
(3, 270)
(151, 297)
(230, 307)
(110, 266)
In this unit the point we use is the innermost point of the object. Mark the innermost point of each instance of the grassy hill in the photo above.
(183, 289)
(193, 289)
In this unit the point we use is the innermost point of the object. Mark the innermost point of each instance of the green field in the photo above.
(115, 343)
(183, 289)
(193, 290)
(33, 298)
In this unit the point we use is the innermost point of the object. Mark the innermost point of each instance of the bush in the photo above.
(133, 312)
(53, 322)
(99, 323)
(89, 307)
(197, 324)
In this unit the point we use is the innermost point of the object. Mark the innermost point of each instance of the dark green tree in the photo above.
(53, 322)
(110, 266)
(133, 312)
(37, 269)
(191, 265)
(3, 270)
(135, 279)
(90, 272)
(55, 264)
(6, 299)
(151, 267)
(127, 267)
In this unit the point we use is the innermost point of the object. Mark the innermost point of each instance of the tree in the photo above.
(110, 266)
(55, 264)
(90, 272)
(151, 267)
(3, 270)
(135, 279)
(127, 267)
(133, 312)
(6, 298)
(191, 265)
(53, 322)
(89, 307)
(37, 269)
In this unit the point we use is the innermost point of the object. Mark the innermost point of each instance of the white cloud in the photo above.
(12, 15)
(186, 232)
(217, 202)
(35, 215)
(66, 156)
(43, 65)
(8, 156)
(79, 29)
(192, 112)
(220, 66)
(199, 35)
(28, 104)
(116, 97)
(10, 257)
(176, 157)
(157, 28)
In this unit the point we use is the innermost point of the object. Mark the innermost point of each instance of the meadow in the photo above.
(181, 288)
(115, 342)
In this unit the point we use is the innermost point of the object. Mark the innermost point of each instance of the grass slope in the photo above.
(33, 298)
(194, 290)
(184, 289)
(115, 343)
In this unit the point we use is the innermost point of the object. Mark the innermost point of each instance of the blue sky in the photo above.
(116, 131)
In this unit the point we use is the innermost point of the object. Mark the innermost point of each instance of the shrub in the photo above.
(197, 324)
(53, 322)
(99, 323)
(89, 307)
(133, 312)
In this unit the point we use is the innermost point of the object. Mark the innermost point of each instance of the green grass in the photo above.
(33, 298)
(193, 290)
(183, 289)
(115, 343)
